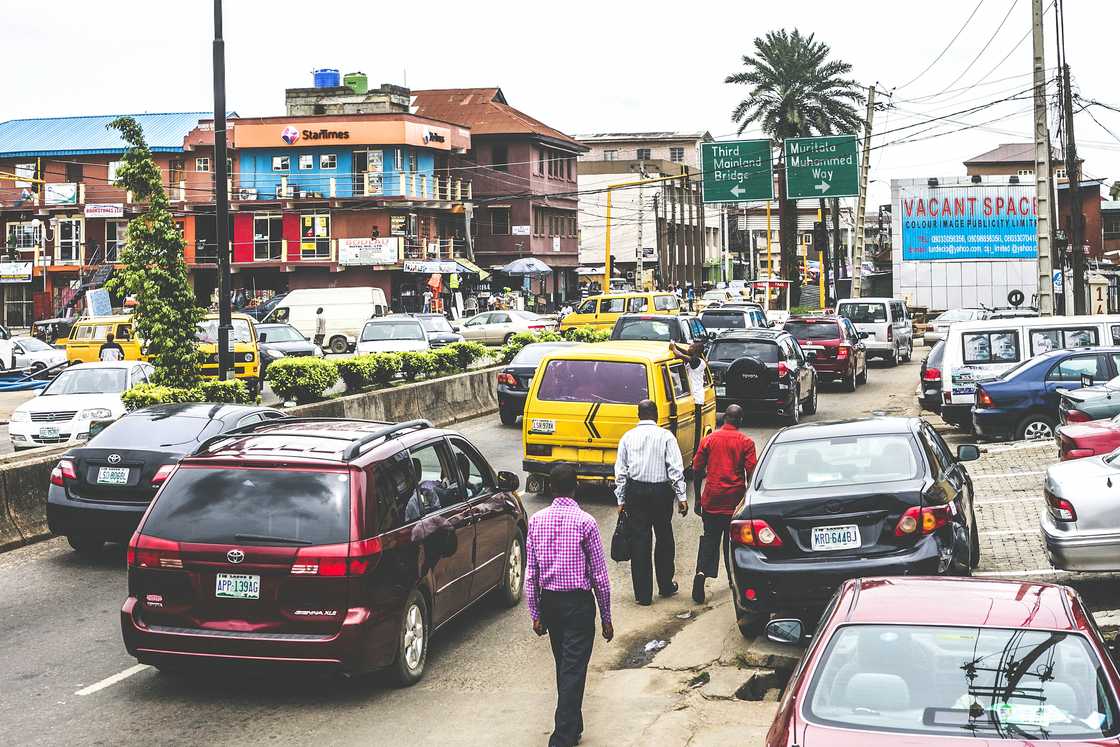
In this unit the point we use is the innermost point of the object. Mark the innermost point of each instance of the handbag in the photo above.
(620, 542)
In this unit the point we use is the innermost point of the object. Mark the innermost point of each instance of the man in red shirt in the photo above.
(727, 458)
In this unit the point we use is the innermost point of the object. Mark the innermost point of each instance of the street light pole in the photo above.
(607, 242)
(221, 201)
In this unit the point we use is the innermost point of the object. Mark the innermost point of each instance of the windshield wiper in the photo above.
(269, 538)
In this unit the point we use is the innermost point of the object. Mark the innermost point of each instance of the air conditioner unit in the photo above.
(244, 193)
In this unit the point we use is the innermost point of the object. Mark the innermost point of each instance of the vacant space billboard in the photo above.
(969, 222)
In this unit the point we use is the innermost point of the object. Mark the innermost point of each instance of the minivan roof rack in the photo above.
(350, 453)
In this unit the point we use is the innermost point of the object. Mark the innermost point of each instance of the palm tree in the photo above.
(796, 91)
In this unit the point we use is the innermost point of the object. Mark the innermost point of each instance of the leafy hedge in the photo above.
(371, 369)
(376, 370)
(208, 390)
(507, 352)
(302, 378)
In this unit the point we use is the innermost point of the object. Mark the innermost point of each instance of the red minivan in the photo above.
(839, 352)
(336, 543)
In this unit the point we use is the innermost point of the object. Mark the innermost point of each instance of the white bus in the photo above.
(346, 310)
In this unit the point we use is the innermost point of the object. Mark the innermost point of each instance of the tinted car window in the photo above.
(473, 470)
(645, 329)
(436, 486)
(843, 460)
(393, 486)
(805, 330)
(729, 350)
(216, 506)
(864, 313)
(724, 320)
(594, 381)
(144, 431)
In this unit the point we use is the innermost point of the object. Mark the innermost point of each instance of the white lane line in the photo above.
(114, 679)
(1039, 572)
(1008, 474)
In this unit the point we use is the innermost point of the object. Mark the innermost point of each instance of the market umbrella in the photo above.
(527, 266)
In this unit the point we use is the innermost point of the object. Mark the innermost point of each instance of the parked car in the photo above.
(839, 352)
(345, 309)
(603, 311)
(1081, 523)
(763, 370)
(1089, 402)
(948, 662)
(33, 353)
(1092, 438)
(887, 324)
(929, 380)
(515, 379)
(716, 298)
(832, 501)
(393, 334)
(439, 330)
(682, 328)
(100, 490)
(282, 341)
(941, 323)
(1023, 403)
(346, 543)
(497, 327)
(720, 320)
(261, 310)
(78, 396)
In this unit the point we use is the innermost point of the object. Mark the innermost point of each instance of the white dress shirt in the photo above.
(696, 380)
(649, 453)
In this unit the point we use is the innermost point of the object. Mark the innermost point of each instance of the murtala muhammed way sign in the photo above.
(737, 170)
(826, 166)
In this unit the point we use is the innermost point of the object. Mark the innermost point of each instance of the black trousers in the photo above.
(711, 543)
(569, 617)
(649, 506)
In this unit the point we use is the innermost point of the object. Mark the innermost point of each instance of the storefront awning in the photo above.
(472, 267)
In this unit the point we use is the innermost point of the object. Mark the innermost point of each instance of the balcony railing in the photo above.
(409, 185)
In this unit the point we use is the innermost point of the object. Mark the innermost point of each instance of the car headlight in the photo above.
(96, 413)
(248, 358)
(20, 416)
(276, 353)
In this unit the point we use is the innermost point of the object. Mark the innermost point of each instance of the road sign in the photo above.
(822, 167)
(737, 171)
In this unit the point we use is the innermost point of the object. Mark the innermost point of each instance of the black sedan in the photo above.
(763, 371)
(929, 385)
(439, 330)
(100, 490)
(837, 500)
(281, 341)
(515, 379)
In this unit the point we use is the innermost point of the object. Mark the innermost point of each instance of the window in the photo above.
(678, 380)
(643, 154)
(24, 236)
(175, 169)
(474, 474)
(1073, 368)
(864, 313)
(381, 331)
(499, 221)
(637, 304)
(731, 350)
(229, 166)
(398, 159)
(116, 235)
(587, 307)
(676, 155)
(645, 329)
(726, 320)
(666, 303)
(394, 485)
(1045, 340)
(328, 161)
(610, 155)
(435, 481)
(1116, 334)
(568, 168)
(1060, 174)
(114, 167)
(612, 305)
(27, 171)
(843, 460)
(898, 311)
(306, 161)
(268, 237)
(609, 382)
(541, 156)
(88, 381)
(1025, 172)
(68, 241)
(315, 236)
(73, 173)
(813, 330)
(990, 347)
(499, 157)
(281, 163)
(202, 164)
(412, 161)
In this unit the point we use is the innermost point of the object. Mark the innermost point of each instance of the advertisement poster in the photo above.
(15, 272)
(60, 194)
(969, 222)
(366, 252)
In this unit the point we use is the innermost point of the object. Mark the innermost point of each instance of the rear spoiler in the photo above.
(1070, 394)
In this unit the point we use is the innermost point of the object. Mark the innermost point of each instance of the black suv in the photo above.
(763, 370)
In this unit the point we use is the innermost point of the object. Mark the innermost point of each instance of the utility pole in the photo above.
(1073, 174)
(221, 201)
(674, 235)
(1043, 190)
(861, 201)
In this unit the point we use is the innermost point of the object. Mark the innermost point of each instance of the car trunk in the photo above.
(522, 375)
(117, 475)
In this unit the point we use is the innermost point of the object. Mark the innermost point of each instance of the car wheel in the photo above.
(507, 417)
(507, 338)
(862, 378)
(514, 576)
(412, 641)
(851, 382)
(751, 625)
(38, 366)
(892, 359)
(974, 545)
(794, 416)
(1036, 427)
(811, 403)
(83, 545)
(909, 352)
(339, 345)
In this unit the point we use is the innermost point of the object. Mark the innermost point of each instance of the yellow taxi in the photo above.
(88, 335)
(583, 399)
(603, 311)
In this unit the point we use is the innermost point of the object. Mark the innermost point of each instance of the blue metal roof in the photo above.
(67, 136)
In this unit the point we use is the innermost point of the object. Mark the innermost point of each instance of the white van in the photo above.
(890, 332)
(346, 310)
(984, 349)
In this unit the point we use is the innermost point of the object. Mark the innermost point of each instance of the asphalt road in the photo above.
(66, 678)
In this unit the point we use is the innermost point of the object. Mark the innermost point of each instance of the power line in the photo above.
(943, 51)
(983, 49)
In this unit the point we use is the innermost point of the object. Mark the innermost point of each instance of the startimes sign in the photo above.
(326, 134)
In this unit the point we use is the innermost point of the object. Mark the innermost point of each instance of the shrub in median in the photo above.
(369, 370)
(414, 365)
(208, 390)
(587, 334)
(444, 362)
(303, 378)
(467, 353)
(233, 391)
(520, 340)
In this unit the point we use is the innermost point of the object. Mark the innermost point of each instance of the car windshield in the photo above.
(715, 295)
(594, 381)
(282, 334)
(88, 381)
(729, 350)
(381, 331)
(531, 355)
(815, 330)
(208, 331)
(841, 460)
(724, 319)
(436, 324)
(864, 313)
(32, 345)
(956, 315)
(981, 683)
(645, 329)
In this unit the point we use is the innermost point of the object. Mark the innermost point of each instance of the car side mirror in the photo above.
(787, 631)
(968, 452)
(456, 327)
(262, 337)
(863, 335)
(508, 482)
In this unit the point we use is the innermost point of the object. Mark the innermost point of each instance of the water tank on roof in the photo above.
(326, 77)
(356, 82)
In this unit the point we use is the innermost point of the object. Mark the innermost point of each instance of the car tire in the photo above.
(862, 378)
(1035, 427)
(751, 624)
(811, 403)
(507, 338)
(37, 367)
(909, 352)
(892, 359)
(412, 641)
(513, 578)
(794, 416)
(973, 545)
(87, 546)
(507, 417)
(339, 345)
(851, 382)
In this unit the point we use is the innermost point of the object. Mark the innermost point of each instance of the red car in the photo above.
(1079, 440)
(837, 347)
(949, 662)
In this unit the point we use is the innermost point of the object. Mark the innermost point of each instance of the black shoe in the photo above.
(672, 591)
(698, 588)
(645, 603)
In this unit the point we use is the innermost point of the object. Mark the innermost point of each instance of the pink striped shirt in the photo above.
(565, 553)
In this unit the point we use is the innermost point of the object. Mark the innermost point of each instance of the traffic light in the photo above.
(820, 237)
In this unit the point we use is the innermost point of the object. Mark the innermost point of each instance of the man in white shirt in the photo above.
(320, 326)
(649, 474)
(695, 368)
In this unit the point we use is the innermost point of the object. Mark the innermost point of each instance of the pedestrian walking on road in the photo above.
(320, 326)
(565, 575)
(110, 350)
(726, 458)
(649, 473)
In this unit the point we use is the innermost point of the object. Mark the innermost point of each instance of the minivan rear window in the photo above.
(864, 313)
(231, 506)
(594, 381)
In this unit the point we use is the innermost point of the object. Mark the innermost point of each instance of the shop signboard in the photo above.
(958, 222)
(60, 194)
(15, 272)
(398, 225)
(521, 230)
(98, 302)
(431, 267)
(103, 210)
(370, 251)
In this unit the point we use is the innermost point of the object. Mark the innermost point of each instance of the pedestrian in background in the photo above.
(648, 474)
(110, 350)
(320, 326)
(565, 575)
(726, 458)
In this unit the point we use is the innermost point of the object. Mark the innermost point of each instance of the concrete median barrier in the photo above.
(24, 479)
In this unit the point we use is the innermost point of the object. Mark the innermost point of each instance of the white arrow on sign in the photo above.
(737, 190)
(823, 186)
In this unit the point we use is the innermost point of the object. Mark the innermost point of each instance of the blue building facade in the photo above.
(333, 171)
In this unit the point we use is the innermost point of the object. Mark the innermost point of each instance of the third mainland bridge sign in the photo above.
(737, 171)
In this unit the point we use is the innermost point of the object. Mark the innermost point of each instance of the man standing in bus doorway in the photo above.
(696, 368)
(320, 326)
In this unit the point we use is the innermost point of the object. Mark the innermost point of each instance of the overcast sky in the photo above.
(579, 66)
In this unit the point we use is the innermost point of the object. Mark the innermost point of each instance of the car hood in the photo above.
(54, 403)
(444, 337)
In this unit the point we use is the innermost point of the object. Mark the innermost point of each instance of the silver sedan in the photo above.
(496, 327)
(1081, 523)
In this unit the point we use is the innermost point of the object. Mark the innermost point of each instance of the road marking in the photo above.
(1007, 474)
(108, 681)
(1039, 572)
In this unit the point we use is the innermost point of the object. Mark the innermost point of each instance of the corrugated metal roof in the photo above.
(485, 111)
(58, 136)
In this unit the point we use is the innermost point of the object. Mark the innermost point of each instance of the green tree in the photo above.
(154, 271)
(796, 91)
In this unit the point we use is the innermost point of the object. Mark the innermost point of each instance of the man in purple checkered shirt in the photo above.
(564, 564)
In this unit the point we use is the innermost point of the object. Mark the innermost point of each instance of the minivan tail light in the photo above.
(1077, 416)
(153, 552)
(783, 369)
(162, 474)
(336, 561)
(842, 351)
(932, 374)
(890, 333)
(755, 533)
(63, 471)
(1060, 508)
(922, 520)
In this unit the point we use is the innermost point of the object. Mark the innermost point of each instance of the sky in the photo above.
(579, 66)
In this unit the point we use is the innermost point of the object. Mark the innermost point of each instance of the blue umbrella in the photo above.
(527, 266)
